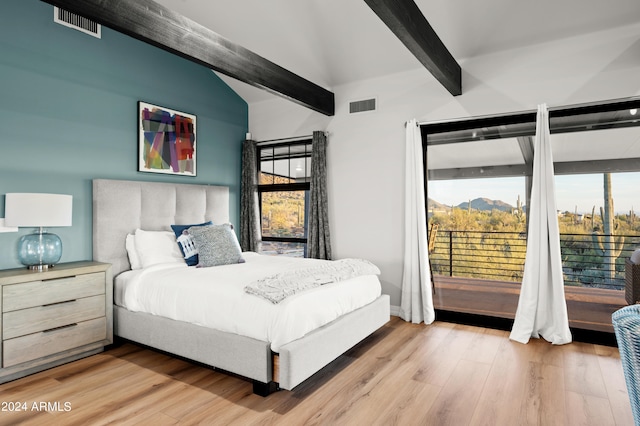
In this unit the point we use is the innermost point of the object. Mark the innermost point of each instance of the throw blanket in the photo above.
(276, 288)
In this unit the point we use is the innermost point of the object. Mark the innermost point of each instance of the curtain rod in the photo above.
(291, 139)
(558, 110)
(475, 118)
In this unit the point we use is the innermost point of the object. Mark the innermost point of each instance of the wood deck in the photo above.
(588, 308)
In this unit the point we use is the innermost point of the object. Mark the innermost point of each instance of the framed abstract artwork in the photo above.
(167, 140)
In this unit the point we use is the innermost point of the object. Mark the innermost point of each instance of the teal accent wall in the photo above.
(68, 114)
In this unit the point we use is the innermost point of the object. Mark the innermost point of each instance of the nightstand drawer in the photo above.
(33, 320)
(38, 293)
(38, 345)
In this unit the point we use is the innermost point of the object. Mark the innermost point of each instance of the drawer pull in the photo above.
(60, 328)
(61, 278)
(60, 303)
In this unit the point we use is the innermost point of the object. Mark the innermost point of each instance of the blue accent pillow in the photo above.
(185, 242)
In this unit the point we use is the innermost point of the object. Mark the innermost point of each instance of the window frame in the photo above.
(286, 187)
(565, 119)
(562, 119)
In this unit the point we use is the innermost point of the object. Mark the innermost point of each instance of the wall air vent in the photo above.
(362, 106)
(76, 22)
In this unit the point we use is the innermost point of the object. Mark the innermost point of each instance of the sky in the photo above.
(572, 191)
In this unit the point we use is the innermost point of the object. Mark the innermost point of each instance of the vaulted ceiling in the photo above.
(328, 43)
(334, 42)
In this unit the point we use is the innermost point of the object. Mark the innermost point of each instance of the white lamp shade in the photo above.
(38, 210)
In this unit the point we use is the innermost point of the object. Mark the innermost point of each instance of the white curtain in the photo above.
(542, 308)
(417, 301)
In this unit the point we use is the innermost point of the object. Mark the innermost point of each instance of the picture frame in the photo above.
(166, 140)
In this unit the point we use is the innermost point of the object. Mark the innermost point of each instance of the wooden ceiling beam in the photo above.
(153, 23)
(407, 22)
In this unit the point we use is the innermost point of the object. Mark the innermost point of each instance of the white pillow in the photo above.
(130, 245)
(635, 257)
(154, 247)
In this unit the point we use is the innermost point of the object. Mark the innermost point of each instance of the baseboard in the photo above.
(395, 311)
(577, 334)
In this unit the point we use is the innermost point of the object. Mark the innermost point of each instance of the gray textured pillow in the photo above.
(216, 244)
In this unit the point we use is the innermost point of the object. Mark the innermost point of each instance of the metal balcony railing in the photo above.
(587, 260)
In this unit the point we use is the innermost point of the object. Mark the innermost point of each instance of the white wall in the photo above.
(366, 151)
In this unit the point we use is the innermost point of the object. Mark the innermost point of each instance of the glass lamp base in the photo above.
(39, 250)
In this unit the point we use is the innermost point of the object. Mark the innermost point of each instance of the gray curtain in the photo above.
(249, 212)
(319, 242)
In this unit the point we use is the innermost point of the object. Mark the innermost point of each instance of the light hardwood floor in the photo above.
(404, 374)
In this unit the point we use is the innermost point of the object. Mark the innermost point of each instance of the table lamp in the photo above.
(42, 249)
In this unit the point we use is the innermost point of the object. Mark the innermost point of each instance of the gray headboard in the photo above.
(120, 206)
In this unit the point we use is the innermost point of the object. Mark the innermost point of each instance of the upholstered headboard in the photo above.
(120, 207)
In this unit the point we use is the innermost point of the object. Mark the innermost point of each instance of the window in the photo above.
(283, 190)
(596, 153)
(598, 226)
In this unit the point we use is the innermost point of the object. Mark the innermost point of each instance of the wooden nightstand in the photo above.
(53, 317)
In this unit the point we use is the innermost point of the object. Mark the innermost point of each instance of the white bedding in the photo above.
(215, 297)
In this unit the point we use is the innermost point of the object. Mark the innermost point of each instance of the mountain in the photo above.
(486, 204)
(433, 205)
(477, 204)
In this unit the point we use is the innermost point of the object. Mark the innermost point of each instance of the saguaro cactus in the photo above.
(608, 245)
(519, 213)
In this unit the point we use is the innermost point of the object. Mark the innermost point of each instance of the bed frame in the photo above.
(119, 207)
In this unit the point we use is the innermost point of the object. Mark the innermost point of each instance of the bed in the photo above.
(121, 207)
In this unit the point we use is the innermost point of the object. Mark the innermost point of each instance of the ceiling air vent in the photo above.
(362, 106)
(76, 22)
